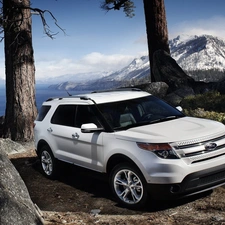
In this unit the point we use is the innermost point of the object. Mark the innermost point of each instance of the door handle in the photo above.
(49, 129)
(75, 136)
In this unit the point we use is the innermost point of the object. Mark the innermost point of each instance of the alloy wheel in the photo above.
(128, 186)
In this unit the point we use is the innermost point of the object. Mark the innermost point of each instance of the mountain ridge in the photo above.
(196, 53)
(192, 53)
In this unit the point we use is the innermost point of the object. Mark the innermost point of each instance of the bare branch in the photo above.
(40, 12)
(45, 25)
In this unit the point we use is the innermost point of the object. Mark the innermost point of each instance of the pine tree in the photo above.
(20, 71)
(156, 24)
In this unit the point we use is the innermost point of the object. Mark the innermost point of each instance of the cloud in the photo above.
(211, 26)
(92, 62)
(106, 62)
(47, 67)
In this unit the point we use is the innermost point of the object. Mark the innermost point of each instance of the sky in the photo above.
(97, 41)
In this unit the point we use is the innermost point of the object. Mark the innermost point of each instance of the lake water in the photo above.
(42, 94)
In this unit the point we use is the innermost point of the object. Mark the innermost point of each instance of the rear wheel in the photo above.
(128, 186)
(48, 162)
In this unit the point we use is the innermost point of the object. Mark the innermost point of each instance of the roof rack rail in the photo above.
(63, 97)
(119, 89)
(52, 98)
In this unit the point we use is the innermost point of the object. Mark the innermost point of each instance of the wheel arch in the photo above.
(40, 144)
(118, 159)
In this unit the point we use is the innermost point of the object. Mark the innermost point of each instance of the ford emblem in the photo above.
(210, 146)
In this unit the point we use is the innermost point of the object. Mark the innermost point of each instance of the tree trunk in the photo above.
(167, 70)
(20, 71)
(156, 28)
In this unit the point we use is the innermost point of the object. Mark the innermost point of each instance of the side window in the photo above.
(64, 115)
(43, 112)
(86, 114)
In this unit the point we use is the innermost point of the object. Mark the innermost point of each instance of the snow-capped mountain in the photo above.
(71, 78)
(137, 69)
(192, 53)
(198, 52)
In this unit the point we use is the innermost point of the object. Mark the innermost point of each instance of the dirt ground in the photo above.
(81, 197)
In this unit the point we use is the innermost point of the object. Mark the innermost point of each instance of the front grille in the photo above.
(194, 151)
(183, 144)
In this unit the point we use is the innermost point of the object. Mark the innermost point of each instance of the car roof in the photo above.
(101, 97)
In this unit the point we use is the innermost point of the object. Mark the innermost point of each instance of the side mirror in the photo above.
(90, 128)
(179, 108)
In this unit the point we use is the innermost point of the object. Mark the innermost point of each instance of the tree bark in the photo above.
(156, 29)
(20, 71)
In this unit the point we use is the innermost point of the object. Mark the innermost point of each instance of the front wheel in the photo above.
(48, 162)
(128, 186)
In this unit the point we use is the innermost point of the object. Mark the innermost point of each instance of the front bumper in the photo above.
(192, 184)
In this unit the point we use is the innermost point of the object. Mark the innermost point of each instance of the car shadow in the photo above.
(160, 205)
(97, 184)
(86, 188)
(84, 180)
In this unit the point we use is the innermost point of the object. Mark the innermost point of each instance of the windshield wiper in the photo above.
(149, 122)
(165, 119)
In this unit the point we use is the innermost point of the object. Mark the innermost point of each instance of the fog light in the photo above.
(175, 188)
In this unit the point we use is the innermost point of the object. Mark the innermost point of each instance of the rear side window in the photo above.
(43, 112)
(64, 115)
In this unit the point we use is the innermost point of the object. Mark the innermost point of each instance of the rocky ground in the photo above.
(81, 197)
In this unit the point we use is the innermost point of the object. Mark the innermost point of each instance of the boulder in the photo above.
(177, 96)
(16, 207)
(158, 89)
(173, 99)
(11, 147)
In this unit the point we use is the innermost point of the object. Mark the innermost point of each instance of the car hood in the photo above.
(185, 128)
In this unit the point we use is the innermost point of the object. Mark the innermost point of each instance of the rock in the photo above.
(184, 92)
(16, 206)
(95, 212)
(173, 99)
(158, 89)
(10, 147)
(176, 97)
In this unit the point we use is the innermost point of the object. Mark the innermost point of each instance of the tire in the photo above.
(48, 162)
(128, 186)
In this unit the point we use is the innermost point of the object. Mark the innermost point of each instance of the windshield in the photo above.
(137, 112)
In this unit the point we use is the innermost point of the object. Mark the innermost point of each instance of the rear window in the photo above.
(43, 112)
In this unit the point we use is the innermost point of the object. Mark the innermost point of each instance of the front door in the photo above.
(83, 149)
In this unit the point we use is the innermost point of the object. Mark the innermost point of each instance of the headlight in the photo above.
(162, 150)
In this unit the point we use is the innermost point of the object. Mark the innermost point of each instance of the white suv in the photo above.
(145, 146)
